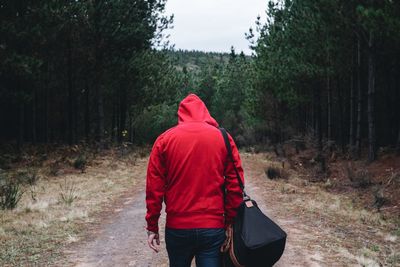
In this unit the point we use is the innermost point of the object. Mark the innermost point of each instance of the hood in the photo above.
(192, 108)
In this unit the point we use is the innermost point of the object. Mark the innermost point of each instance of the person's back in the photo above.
(189, 170)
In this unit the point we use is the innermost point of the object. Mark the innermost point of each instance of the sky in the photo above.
(213, 25)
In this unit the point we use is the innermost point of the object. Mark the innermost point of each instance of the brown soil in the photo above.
(382, 177)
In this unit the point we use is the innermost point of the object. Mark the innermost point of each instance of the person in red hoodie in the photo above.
(190, 171)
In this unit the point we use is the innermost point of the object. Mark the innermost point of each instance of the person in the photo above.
(190, 171)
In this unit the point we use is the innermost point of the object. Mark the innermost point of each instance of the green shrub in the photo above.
(10, 192)
(153, 121)
(80, 162)
(273, 173)
(68, 192)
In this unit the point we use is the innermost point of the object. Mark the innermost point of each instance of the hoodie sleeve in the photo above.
(155, 186)
(234, 194)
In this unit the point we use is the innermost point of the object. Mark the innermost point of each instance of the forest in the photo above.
(84, 71)
(87, 86)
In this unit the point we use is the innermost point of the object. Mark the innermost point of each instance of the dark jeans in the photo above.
(203, 244)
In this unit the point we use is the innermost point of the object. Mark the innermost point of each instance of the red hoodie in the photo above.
(186, 170)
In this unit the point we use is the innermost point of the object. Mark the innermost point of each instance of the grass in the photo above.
(61, 209)
(343, 224)
(334, 224)
(68, 192)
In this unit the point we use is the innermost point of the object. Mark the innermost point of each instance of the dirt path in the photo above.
(121, 241)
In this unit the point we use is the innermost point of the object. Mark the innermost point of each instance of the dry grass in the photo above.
(341, 225)
(48, 218)
(335, 226)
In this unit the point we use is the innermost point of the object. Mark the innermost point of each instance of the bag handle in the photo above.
(229, 148)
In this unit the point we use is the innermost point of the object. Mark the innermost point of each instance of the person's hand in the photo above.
(153, 240)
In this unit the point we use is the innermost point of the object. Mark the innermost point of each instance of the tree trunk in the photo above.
(320, 159)
(318, 122)
(46, 105)
(34, 115)
(371, 98)
(352, 104)
(87, 110)
(352, 100)
(395, 118)
(113, 121)
(314, 114)
(21, 124)
(329, 108)
(99, 108)
(98, 51)
(130, 126)
(70, 93)
(359, 101)
(122, 112)
(398, 142)
(341, 115)
(397, 88)
(76, 111)
(118, 110)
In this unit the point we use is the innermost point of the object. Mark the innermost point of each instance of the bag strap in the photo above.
(230, 155)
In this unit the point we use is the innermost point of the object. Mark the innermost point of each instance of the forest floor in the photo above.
(103, 223)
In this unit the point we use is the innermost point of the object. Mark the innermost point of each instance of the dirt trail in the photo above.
(121, 240)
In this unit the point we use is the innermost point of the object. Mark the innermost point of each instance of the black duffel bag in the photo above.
(254, 240)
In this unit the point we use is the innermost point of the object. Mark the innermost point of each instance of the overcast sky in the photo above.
(213, 25)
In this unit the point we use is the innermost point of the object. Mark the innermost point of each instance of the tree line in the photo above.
(91, 70)
(332, 67)
(74, 70)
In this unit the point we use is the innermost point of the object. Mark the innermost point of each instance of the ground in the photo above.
(104, 225)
